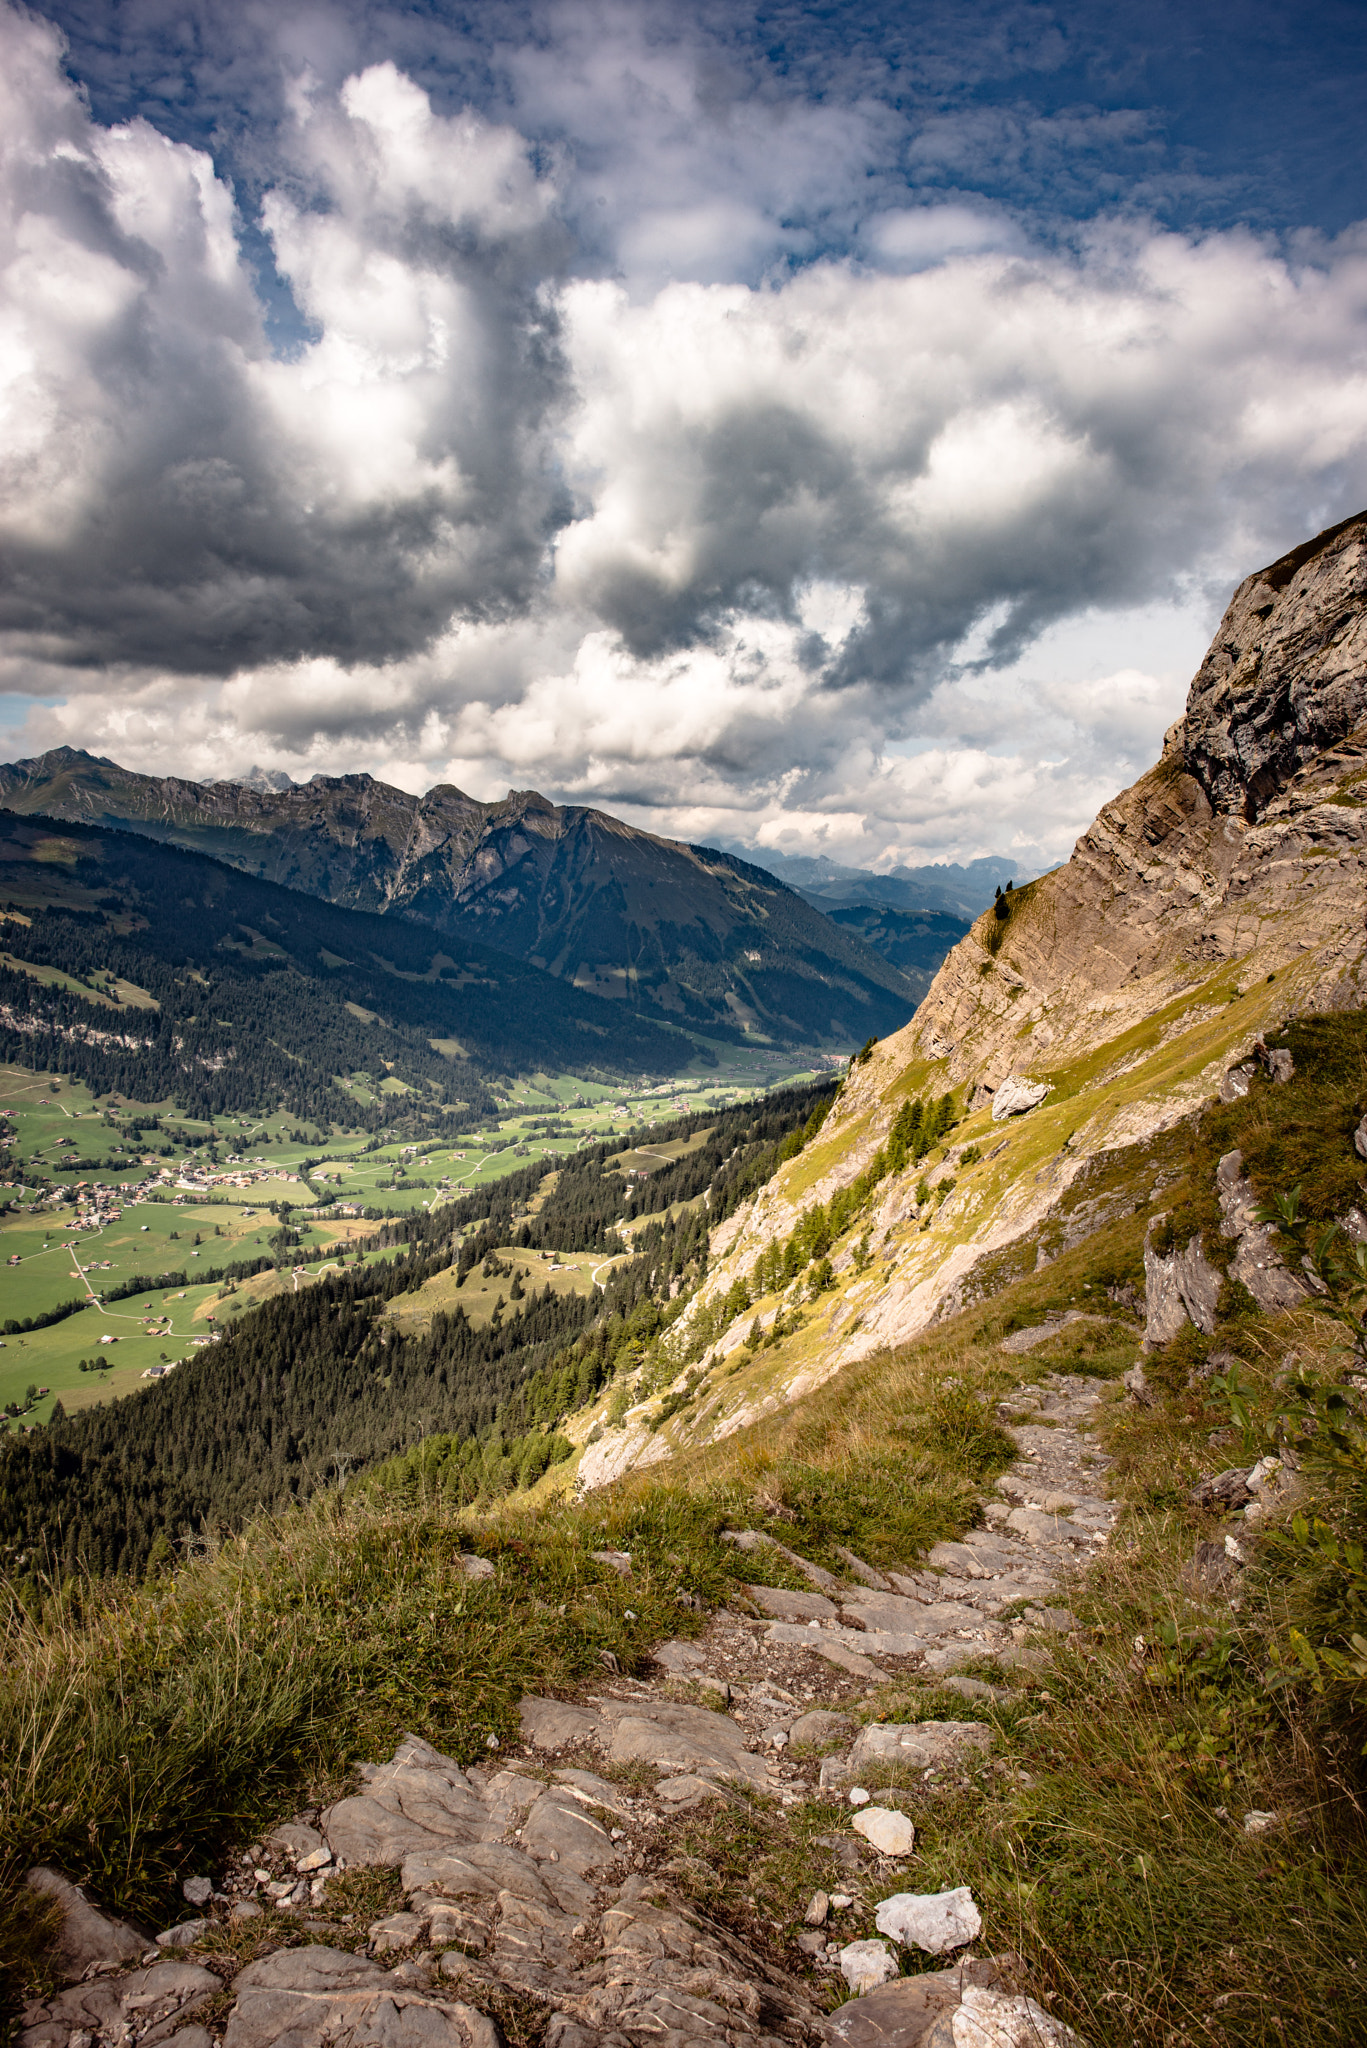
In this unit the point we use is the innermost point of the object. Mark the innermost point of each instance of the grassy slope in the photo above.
(147, 1729)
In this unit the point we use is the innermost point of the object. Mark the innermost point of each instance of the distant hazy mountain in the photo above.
(914, 941)
(681, 934)
(962, 891)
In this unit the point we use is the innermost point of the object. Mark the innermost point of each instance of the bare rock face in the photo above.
(1179, 1287)
(1286, 675)
(154, 2001)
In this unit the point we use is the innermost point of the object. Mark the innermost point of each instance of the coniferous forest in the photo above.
(312, 1388)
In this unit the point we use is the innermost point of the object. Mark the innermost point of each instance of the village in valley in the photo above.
(121, 1222)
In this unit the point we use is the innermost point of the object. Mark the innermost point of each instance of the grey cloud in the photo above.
(198, 531)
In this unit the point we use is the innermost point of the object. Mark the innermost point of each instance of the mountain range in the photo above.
(682, 935)
(951, 889)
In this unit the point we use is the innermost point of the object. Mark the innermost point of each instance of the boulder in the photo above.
(899, 2015)
(934, 1921)
(183, 1936)
(679, 1659)
(1179, 1286)
(996, 2019)
(866, 1964)
(1015, 1095)
(87, 1937)
(477, 1567)
(1224, 1490)
(1236, 1083)
(885, 1830)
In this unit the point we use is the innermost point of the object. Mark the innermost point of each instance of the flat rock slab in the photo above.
(87, 1935)
(836, 1645)
(309, 1997)
(595, 1791)
(559, 1826)
(921, 1745)
(660, 1732)
(474, 1870)
(552, 1724)
(891, 1614)
(786, 1606)
(821, 1725)
(151, 2002)
(417, 1802)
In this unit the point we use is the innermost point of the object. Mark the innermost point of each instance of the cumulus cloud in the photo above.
(624, 500)
(174, 495)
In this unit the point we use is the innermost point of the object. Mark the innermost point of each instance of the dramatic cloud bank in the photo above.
(900, 550)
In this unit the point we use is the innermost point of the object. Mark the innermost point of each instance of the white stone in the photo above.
(858, 1796)
(1016, 1095)
(866, 1964)
(198, 1891)
(934, 1921)
(1257, 1822)
(994, 2019)
(317, 1859)
(888, 1831)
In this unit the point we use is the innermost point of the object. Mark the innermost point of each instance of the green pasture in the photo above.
(568, 1273)
(50, 1358)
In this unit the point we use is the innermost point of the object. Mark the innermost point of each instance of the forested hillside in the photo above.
(316, 1385)
(240, 994)
(679, 934)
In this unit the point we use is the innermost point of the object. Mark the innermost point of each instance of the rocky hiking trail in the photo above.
(547, 1896)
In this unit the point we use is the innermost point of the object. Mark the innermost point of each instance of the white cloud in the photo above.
(884, 558)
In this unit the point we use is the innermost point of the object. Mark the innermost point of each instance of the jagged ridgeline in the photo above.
(160, 973)
(683, 935)
(315, 1386)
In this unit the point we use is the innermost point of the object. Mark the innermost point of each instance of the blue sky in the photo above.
(835, 428)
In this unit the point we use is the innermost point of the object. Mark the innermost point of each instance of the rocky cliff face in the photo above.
(1219, 896)
(682, 933)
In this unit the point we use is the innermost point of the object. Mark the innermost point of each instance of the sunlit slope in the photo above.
(1220, 896)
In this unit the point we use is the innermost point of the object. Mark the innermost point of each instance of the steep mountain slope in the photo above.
(916, 942)
(685, 934)
(247, 991)
(1081, 1032)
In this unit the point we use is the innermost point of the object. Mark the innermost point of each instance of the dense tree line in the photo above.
(311, 1387)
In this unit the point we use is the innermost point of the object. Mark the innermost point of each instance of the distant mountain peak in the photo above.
(690, 938)
(271, 779)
